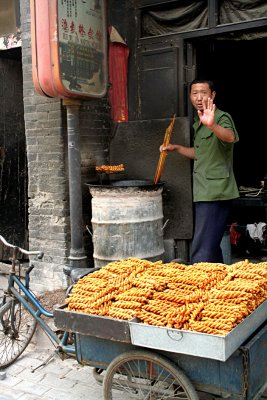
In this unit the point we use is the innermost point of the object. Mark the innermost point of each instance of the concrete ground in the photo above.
(58, 380)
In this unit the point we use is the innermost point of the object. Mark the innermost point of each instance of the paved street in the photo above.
(58, 380)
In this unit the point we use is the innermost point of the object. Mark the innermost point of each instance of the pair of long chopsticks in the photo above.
(163, 154)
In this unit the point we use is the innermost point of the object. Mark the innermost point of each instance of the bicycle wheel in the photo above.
(144, 375)
(17, 327)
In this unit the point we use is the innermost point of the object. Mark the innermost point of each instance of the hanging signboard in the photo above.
(78, 47)
(74, 62)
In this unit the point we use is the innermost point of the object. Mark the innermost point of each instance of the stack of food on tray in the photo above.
(203, 297)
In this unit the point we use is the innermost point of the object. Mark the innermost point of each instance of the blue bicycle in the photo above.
(20, 312)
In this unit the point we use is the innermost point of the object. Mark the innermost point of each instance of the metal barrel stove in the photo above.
(127, 220)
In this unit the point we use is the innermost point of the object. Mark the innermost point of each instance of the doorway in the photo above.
(238, 69)
(13, 160)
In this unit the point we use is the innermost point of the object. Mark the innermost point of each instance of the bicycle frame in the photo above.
(35, 308)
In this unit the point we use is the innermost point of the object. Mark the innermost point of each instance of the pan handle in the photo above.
(165, 224)
(88, 229)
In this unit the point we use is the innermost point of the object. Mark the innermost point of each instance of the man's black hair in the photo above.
(200, 80)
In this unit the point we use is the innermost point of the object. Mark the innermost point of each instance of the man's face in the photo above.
(200, 92)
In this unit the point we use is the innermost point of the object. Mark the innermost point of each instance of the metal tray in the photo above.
(92, 325)
(198, 344)
(173, 340)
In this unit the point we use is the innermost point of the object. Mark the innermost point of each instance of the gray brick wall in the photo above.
(46, 137)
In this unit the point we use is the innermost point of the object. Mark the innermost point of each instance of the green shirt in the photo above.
(213, 176)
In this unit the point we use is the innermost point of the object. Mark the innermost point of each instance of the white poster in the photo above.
(82, 45)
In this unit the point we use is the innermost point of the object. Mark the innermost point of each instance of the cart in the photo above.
(138, 361)
(134, 360)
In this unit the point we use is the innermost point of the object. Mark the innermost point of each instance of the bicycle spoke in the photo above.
(17, 327)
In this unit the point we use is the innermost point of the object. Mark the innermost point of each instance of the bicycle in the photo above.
(20, 312)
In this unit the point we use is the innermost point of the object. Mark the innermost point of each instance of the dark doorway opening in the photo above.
(13, 158)
(238, 68)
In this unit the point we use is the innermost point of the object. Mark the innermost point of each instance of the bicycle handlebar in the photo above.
(38, 253)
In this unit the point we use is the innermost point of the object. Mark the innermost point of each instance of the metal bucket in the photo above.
(127, 221)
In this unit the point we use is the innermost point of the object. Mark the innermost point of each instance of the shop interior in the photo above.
(238, 68)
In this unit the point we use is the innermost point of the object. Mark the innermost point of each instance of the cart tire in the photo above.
(97, 375)
(145, 375)
(17, 327)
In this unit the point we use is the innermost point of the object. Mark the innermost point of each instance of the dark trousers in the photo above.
(210, 223)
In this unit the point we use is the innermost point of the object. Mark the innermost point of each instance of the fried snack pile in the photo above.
(203, 297)
(110, 169)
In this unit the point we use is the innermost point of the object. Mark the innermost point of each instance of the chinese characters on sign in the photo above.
(82, 45)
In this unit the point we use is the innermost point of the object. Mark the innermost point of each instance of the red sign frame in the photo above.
(83, 72)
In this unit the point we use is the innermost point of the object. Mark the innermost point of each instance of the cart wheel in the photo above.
(97, 375)
(17, 327)
(144, 375)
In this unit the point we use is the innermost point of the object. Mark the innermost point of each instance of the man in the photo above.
(214, 184)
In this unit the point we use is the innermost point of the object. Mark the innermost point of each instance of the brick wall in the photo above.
(46, 136)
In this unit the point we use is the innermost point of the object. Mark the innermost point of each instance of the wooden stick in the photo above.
(163, 154)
